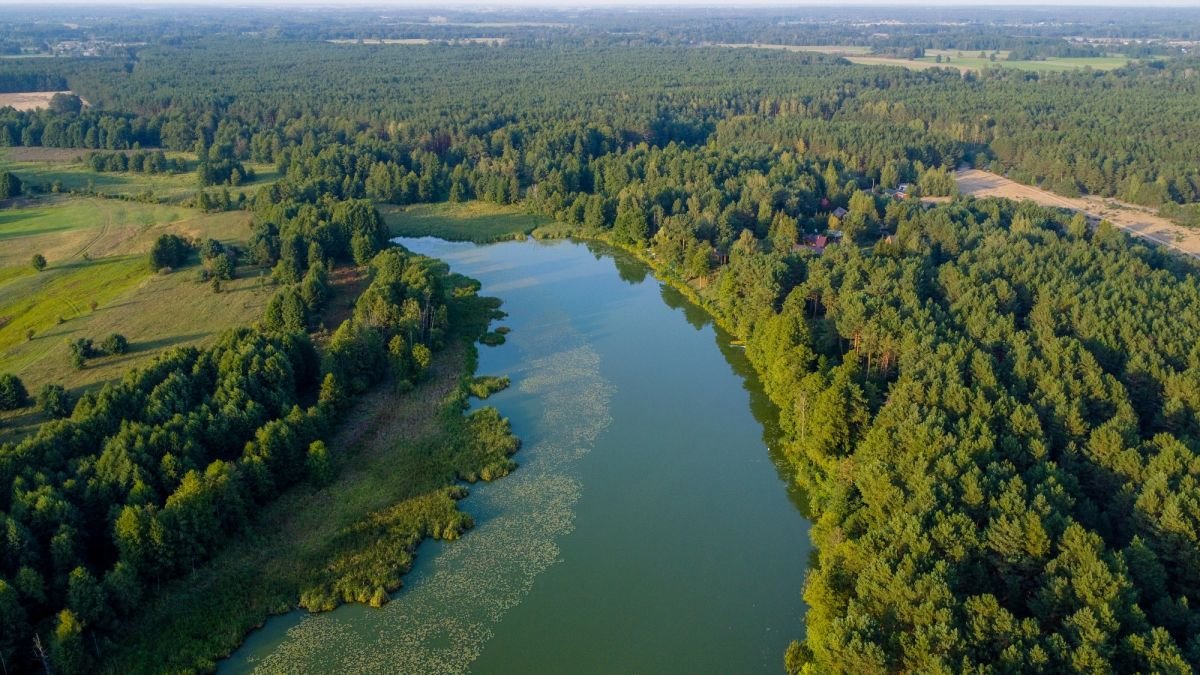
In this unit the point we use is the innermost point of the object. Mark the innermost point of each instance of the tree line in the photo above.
(1127, 133)
(145, 478)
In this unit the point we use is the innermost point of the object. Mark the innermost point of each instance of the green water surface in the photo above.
(649, 528)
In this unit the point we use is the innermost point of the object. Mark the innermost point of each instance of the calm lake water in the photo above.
(649, 528)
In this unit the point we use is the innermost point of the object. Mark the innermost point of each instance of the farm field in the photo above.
(1135, 220)
(972, 61)
(28, 100)
(962, 60)
(468, 221)
(44, 166)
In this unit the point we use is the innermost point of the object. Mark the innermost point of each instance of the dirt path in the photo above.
(1135, 220)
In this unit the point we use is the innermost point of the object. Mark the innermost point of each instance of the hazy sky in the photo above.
(561, 4)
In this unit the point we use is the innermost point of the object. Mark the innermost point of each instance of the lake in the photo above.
(650, 527)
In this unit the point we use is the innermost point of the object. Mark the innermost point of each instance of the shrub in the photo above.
(486, 385)
(422, 359)
(222, 266)
(169, 250)
(38, 262)
(318, 464)
(114, 344)
(12, 392)
(54, 401)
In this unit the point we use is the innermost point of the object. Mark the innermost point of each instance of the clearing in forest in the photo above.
(963, 60)
(29, 100)
(95, 251)
(43, 167)
(1135, 220)
(476, 221)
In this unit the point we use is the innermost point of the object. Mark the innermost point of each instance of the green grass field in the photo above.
(96, 253)
(468, 221)
(43, 166)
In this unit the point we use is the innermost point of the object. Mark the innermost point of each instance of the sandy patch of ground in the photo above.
(1135, 220)
(29, 100)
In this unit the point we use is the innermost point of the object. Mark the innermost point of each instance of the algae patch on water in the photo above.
(441, 620)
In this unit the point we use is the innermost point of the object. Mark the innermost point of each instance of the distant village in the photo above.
(90, 47)
(73, 48)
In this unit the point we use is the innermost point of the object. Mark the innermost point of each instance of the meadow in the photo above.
(97, 282)
(43, 167)
(967, 60)
(476, 221)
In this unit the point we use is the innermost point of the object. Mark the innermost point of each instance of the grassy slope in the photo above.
(96, 253)
(476, 221)
(400, 453)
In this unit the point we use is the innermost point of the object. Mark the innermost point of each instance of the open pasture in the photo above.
(476, 221)
(97, 282)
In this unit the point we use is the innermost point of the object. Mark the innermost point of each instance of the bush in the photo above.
(12, 392)
(486, 385)
(318, 464)
(222, 266)
(10, 185)
(65, 103)
(169, 250)
(422, 359)
(39, 262)
(114, 344)
(492, 338)
(54, 401)
(211, 248)
(81, 350)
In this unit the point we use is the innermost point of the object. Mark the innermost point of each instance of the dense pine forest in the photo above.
(993, 407)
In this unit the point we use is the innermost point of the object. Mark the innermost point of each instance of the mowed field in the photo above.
(1135, 220)
(962, 60)
(29, 100)
(43, 167)
(96, 257)
(476, 221)
(965, 60)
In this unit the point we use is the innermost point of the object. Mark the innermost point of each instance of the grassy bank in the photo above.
(401, 456)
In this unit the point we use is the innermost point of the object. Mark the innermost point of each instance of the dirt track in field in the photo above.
(1136, 220)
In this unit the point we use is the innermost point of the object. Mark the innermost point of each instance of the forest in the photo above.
(991, 405)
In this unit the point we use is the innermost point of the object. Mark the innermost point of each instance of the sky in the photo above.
(566, 5)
